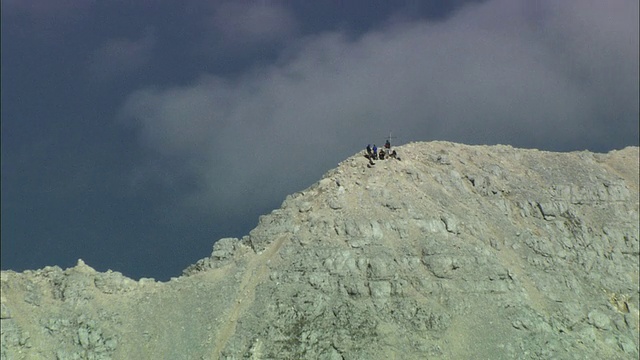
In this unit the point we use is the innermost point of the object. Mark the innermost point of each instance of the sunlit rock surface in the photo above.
(452, 252)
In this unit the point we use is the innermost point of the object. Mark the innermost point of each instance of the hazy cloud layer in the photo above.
(532, 74)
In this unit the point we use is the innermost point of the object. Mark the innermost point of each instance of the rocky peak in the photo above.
(452, 252)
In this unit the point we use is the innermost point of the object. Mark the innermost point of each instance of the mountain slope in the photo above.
(453, 252)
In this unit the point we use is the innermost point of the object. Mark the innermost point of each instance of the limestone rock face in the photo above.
(453, 252)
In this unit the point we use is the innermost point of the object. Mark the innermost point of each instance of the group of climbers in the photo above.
(386, 152)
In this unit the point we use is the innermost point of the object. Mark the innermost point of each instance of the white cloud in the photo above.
(556, 76)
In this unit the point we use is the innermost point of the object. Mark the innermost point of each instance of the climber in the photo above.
(369, 150)
(375, 152)
(382, 153)
(387, 144)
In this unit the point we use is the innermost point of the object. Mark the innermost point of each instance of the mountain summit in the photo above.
(452, 252)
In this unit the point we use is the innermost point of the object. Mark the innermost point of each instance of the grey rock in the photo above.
(83, 337)
(454, 252)
(452, 224)
(224, 248)
(4, 312)
(599, 320)
(442, 266)
(113, 282)
(380, 289)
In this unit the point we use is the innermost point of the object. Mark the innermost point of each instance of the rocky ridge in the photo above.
(454, 252)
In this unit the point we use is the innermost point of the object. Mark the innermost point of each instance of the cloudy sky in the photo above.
(136, 133)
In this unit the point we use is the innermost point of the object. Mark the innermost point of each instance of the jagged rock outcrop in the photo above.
(454, 252)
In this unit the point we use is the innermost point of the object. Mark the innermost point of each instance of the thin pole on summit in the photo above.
(390, 137)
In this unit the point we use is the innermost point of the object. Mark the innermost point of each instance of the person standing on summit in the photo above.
(375, 152)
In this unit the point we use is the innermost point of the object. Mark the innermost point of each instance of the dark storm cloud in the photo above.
(119, 57)
(247, 23)
(42, 19)
(44, 9)
(545, 74)
(234, 33)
